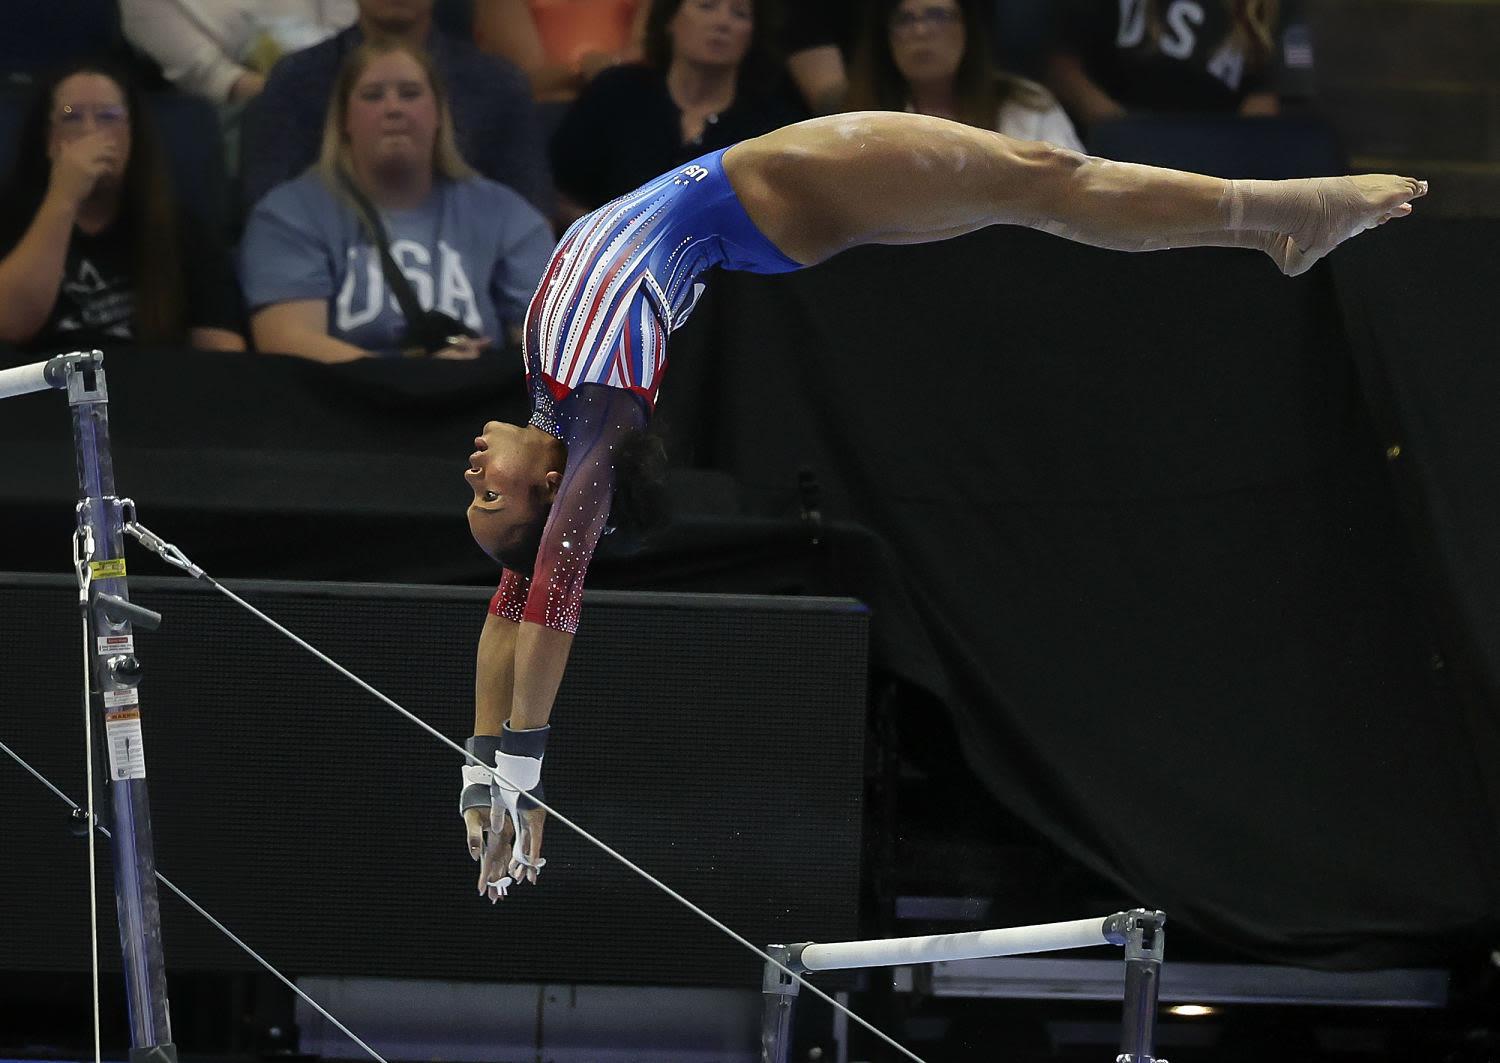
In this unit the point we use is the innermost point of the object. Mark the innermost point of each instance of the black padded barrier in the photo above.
(716, 740)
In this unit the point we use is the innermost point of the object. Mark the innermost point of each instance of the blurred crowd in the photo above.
(340, 179)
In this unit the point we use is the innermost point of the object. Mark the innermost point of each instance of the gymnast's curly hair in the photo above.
(637, 508)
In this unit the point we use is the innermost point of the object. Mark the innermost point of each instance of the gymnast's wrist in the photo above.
(526, 742)
(520, 756)
(476, 777)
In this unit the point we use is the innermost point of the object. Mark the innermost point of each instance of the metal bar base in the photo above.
(780, 992)
(1145, 944)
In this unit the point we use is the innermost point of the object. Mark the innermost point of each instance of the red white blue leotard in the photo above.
(621, 279)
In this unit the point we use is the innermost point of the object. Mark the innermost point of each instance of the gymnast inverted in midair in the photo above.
(624, 276)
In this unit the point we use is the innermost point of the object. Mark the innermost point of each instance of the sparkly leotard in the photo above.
(620, 281)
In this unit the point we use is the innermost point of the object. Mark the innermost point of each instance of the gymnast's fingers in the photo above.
(475, 820)
(493, 880)
(534, 821)
(530, 866)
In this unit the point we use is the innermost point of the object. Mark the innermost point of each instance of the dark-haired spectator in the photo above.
(494, 118)
(97, 253)
(470, 250)
(1214, 56)
(709, 80)
(933, 57)
(561, 44)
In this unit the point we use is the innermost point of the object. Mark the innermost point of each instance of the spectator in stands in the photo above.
(818, 36)
(933, 57)
(222, 49)
(1165, 55)
(97, 253)
(708, 81)
(494, 119)
(562, 44)
(470, 250)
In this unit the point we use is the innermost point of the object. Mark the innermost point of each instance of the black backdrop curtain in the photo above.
(1183, 621)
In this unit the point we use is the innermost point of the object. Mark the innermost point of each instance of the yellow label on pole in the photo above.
(111, 569)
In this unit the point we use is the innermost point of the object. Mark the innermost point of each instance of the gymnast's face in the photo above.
(511, 488)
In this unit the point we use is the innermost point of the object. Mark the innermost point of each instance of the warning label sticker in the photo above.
(109, 645)
(127, 753)
(119, 699)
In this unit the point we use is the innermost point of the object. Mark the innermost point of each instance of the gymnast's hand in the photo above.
(492, 841)
(491, 852)
(512, 852)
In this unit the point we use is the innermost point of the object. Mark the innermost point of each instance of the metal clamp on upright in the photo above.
(1144, 939)
(780, 992)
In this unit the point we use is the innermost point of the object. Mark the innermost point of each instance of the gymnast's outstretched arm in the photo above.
(819, 187)
(494, 695)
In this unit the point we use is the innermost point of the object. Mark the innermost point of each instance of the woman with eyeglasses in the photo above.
(933, 57)
(97, 253)
(626, 275)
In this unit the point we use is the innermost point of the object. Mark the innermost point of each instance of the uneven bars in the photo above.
(39, 376)
(933, 948)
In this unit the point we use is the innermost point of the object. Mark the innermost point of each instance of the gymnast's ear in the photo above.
(552, 479)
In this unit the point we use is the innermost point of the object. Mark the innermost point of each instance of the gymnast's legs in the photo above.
(819, 187)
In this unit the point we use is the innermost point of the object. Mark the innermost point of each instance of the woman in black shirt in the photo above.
(96, 251)
(708, 81)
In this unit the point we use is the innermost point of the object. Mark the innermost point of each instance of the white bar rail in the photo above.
(933, 948)
(24, 379)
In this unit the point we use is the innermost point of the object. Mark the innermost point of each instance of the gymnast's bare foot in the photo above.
(1311, 217)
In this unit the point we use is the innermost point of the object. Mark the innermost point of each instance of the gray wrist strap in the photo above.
(528, 743)
(477, 794)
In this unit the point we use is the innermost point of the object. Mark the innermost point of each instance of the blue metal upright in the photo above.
(114, 673)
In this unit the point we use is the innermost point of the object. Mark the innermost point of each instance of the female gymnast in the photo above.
(624, 276)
